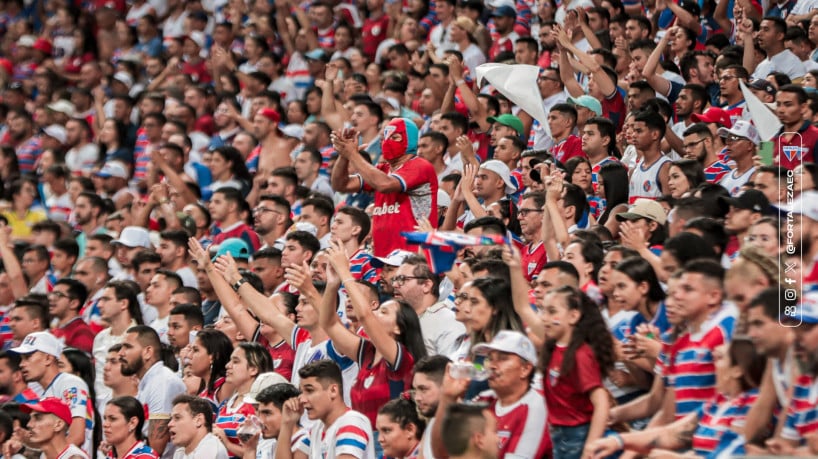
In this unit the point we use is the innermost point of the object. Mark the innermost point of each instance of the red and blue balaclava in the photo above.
(408, 145)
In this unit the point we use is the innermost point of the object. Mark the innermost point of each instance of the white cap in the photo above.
(27, 41)
(40, 341)
(124, 78)
(511, 342)
(391, 101)
(62, 106)
(262, 382)
(744, 129)
(498, 3)
(134, 236)
(198, 38)
(113, 169)
(395, 258)
(306, 226)
(443, 199)
(806, 204)
(295, 131)
(500, 168)
(56, 132)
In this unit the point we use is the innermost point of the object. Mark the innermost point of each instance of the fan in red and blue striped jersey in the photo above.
(229, 420)
(138, 451)
(802, 414)
(719, 415)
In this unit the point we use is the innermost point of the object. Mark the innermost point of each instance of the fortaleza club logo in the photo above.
(792, 153)
(388, 131)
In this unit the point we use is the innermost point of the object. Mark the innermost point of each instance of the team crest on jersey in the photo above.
(646, 186)
(792, 153)
(531, 267)
(376, 30)
(368, 381)
(503, 436)
(388, 131)
(276, 363)
(553, 376)
(70, 395)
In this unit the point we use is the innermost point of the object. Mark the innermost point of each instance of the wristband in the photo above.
(619, 441)
(459, 82)
(238, 284)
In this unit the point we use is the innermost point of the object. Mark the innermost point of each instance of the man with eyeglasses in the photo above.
(552, 91)
(730, 90)
(742, 143)
(530, 215)
(699, 145)
(64, 304)
(271, 219)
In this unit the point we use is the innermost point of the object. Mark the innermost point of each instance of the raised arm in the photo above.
(603, 81)
(380, 338)
(519, 292)
(476, 109)
(659, 83)
(346, 144)
(226, 267)
(12, 265)
(566, 75)
(553, 187)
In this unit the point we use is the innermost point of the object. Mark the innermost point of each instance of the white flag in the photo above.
(765, 121)
(518, 82)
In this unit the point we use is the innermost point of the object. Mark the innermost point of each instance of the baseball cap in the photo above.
(806, 204)
(56, 132)
(504, 11)
(588, 102)
(762, 84)
(443, 199)
(395, 258)
(295, 131)
(42, 341)
(51, 405)
(749, 200)
(113, 169)
(317, 54)
(511, 342)
(500, 168)
(271, 114)
(236, 247)
(199, 15)
(134, 236)
(262, 382)
(742, 129)
(197, 37)
(508, 120)
(713, 115)
(466, 23)
(806, 311)
(644, 208)
(43, 45)
(124, 78)
(62, 106)
(27, 41)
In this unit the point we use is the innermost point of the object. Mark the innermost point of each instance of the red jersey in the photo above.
(378, 383)
(521, 426)
(198, 72)
(533, 258)
(396, 212)
(567, 149)
(76, 334)
(283, 355)
(567, 395)
(503, 44)
(613, 108)
(798, 149)
(241, 231)
(373, 33)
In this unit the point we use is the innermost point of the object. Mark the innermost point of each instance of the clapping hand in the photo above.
(298, 276)
(227, 267)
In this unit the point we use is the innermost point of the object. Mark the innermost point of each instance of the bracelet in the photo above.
(459, 82)
(619, 440)
(238, 284)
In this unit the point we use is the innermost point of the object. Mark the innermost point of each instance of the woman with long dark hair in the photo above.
(683, 176)
(208, 357)
(111, 139)
(78, 363)
(394, 342)
(122, 426)
(612, 189)
(228, 169)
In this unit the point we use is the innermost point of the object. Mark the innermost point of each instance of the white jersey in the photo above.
(644, 182)
(733, 182)
(306, 353)
(350, 434)
(161, 326)
(71, 451)
(209, 448)
(266, 448)
(74, 392)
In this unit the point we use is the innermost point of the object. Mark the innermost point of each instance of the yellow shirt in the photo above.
(21, 227)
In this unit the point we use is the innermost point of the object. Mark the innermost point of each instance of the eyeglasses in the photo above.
(693, 144)
(727, 77)
(401, 279)
(525, 211)
(261, 210)
(58, 295)
(545, 78)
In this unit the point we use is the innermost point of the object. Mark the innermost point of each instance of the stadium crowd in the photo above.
(310, 229)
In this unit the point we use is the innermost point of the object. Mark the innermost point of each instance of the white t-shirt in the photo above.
(82, 159)
(74, 392)
(188, 277)
(157, 389)
(161, 327)
(209, 448)
(69, 452)
(266, 448)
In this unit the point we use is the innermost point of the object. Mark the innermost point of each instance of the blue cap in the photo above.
(317, 54)
(504, 11)
(236, 247)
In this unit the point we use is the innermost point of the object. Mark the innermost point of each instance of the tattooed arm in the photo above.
(158, 435)
(676, 436)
